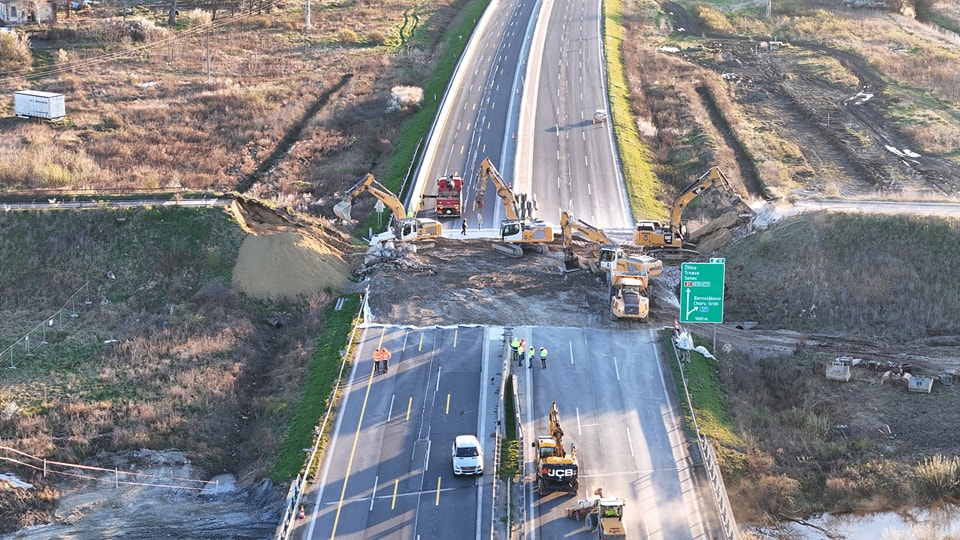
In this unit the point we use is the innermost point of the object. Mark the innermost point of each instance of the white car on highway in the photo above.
(467, 455)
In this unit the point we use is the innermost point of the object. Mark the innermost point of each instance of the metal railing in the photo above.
(23, 347)
(116, 476)
(717, 487)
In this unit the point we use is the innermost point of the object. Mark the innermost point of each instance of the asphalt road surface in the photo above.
(387, 470)
(614, 407)
(387, 473)
(479, 118)
(571, 161)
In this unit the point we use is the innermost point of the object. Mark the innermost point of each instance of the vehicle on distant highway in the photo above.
(467, 455)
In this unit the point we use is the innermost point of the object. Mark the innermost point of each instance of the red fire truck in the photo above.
(449, 196)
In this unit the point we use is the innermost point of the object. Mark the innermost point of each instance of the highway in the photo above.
(387, 469)
(571, 162)
(476, 119)
(386, 472)
(614, 407)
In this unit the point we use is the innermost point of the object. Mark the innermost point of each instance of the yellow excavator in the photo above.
(666, 240)
(557, 470)
(517, 231)
(613, 259)
(405, 229)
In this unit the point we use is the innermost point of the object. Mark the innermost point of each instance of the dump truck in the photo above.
(557, 469)
(449, 196)
(405, 229)
(603, 515)
(640, 267)
(629, 302)
(518, 231)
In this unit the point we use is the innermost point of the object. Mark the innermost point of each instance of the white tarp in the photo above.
(684, 340)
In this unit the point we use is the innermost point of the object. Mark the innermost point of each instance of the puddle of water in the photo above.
(941, 523)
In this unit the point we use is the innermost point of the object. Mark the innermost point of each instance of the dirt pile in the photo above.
(286, 265)
(286, 257)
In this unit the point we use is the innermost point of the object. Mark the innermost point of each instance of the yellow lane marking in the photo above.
(353, 451)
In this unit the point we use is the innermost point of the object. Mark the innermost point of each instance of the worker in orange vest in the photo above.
(377, 358)
(385, 357)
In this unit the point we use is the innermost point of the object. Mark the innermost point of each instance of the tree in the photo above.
(14, 50)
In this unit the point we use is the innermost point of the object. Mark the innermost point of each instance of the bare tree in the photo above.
(172, 18)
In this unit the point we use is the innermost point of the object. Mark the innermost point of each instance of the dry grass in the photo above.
(193, 367)
(164, 117)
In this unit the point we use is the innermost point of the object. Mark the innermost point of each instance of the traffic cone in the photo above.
(301, 514)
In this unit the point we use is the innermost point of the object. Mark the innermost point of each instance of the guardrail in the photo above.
(718, 488)
(297, 488)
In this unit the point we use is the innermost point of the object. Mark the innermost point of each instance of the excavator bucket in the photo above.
(342, 210)
(571, 262)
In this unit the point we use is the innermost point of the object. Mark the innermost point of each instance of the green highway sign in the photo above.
(701, 292)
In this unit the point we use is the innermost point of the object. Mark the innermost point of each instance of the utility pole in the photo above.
(306, 24)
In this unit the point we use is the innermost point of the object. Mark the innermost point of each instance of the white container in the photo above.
(36, 104)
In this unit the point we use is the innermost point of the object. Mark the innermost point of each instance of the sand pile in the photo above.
(287, 265)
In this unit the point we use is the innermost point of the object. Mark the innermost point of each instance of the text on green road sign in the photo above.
(701, 295)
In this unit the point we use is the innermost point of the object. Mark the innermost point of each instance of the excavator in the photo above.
(609, 252)
(613, 259)
(556, 469)
(666, 240)
(405, 229)
(517, 231)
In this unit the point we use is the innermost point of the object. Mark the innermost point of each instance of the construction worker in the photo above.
(385, 356)
(377, 357)
(515, 347)
(543, 357)
(530, 354)
(523, 348)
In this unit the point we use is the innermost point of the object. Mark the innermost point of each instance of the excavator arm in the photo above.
(509, 200)
(378, 190)
(570, 224)
(555, 430)
(706, 181)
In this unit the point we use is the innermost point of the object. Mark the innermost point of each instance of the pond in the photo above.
(940, 523)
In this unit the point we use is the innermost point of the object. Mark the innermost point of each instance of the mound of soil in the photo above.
(287, 265)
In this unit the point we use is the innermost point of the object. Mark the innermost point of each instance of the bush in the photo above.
(938, 477)
(405, 97)
(14, 50)
(260, 22)
(111, 121)
(347, 36)
(199, 17)
(117, 30)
